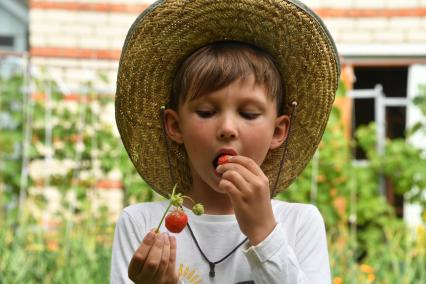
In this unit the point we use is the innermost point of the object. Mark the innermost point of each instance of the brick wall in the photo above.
(77, 39)
(365, 29)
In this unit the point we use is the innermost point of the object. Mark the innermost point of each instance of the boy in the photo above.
(249, 82)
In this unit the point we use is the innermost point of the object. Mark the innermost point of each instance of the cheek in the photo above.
(196, 131)
(197, 139)
(257, 144)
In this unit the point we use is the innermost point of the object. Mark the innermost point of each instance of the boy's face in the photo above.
(240, 119)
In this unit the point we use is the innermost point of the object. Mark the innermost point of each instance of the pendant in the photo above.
(212, 273)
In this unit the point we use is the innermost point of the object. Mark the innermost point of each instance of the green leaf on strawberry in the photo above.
(176, 220)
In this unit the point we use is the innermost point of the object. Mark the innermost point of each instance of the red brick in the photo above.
(136, 9)
(98, 7)
(80, 53)
(366, 13)
(109, 184)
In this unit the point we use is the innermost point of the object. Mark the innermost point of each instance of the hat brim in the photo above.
(168, 31)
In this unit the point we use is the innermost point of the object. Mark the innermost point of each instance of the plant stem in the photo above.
(167, 210)
(189, 198)
(162, 218)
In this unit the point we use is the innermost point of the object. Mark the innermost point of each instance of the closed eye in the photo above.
(249, 115)
(205, 113)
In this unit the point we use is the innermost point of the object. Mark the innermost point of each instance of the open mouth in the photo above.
(221, 156)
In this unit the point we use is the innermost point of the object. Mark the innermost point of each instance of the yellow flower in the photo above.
(421, 232)
(366, 268)
(371, 277)
(337, 280)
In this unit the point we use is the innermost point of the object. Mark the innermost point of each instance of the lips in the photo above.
(223, 152)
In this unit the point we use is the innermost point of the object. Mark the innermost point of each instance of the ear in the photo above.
(280, 132)
(171, 123)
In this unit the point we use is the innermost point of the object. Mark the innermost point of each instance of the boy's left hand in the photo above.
(248, 189)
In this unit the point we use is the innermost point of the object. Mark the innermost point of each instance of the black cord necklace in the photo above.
(212, 264)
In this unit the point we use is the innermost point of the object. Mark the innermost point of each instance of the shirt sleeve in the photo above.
(275, 261)
(126, 241)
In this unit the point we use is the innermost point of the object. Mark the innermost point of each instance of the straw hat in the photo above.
(169, 31)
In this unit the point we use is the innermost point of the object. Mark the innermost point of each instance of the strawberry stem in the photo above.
(189, 198)
(167, 210)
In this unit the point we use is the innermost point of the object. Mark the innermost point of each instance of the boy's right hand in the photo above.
(154, 260)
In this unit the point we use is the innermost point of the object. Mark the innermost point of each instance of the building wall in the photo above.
(12, 26)
(379, 28)
(78, 39)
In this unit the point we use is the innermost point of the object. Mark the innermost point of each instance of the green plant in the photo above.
(11, 125)
(76, 251)
(348, 194)
(72, 147)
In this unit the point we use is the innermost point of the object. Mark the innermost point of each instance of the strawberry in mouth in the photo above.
(222, 157)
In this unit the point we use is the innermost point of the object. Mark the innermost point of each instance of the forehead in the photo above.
(242, 86)
(244, 90)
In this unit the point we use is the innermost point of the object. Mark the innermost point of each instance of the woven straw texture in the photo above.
(168, 31)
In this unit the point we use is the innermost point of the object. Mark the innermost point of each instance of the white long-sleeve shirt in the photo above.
(294, 252)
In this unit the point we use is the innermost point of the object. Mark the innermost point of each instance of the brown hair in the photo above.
(219, 64)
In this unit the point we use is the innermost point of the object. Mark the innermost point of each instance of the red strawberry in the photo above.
(222, 160)
(176, 221)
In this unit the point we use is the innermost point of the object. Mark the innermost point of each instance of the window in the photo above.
(383, 101)
(7, 41)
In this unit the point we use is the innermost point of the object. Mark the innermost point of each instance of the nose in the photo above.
(227, 128)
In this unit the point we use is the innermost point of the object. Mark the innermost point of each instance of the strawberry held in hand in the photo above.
(177, 219)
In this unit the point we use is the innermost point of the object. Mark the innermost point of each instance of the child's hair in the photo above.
(219, 64)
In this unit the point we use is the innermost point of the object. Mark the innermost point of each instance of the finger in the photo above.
(171, 269)
(246, 162)
(152, 262)
(140, 255)
(241, 170)
(237, 180)
(165, 256)
(244, 181)
(230, 189)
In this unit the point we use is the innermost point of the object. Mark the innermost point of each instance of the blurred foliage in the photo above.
(72, 146)
(78, 250)
(362, 227)
(11, 125)
(76, 130)
(367, 243)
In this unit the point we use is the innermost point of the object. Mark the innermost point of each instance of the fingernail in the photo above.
(219, 168)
